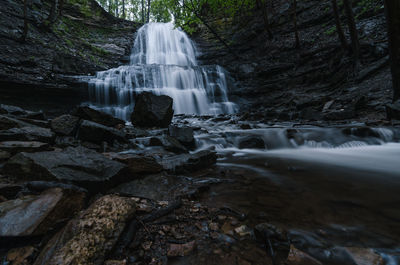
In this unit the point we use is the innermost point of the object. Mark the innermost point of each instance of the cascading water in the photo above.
(163, 62)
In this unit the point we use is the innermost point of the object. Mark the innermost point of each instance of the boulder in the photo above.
(138, 164)
(152, 111)
(90, 114)
(98, 133)
(190, 162)
(252, 142)
(393, 111)
(14, 147)
(169, 144)
(79, 166)
(28, 134)
(92, 235)
(298, 257)
(38, 214)
(183, 134)
(65, 125)
(8, 123)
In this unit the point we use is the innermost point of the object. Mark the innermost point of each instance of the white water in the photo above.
(163, 61)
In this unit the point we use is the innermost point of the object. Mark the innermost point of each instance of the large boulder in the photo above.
(28, 134)
(38, 214)
(98, 133)
(152, 111)
(90, 114)
(79, 166)
(65, 125)
(183, 134)
(90, 237)
(14, 147)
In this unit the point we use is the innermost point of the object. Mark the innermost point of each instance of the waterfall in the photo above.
(163, 61)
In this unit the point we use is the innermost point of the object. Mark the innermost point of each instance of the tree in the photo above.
(339, 28)
(296, 30)
(355, 44)
(143, 18)
(123, 9)
(53, 12)
(263, 6)
(393, 22)
(148, 11)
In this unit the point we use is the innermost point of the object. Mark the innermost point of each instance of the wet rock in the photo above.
(14, 147)
(20, 256)
(266, 230)
(9, 191)
(80, 166)
(28, 134)
(181, 250)
(8, 109)
(36, 215)
(298, 257)
(4, 155)
(152, 111)
(66, 141)
(252, 142)
(364, 256)
(91, 236)
(183, 134)
(138, 164)
(31, 115)
(33, 122)
(393, 111)
(90, 114)
(190, 162)
(361, 132)
(8, 123)
(169, 144)
(65, 125)
(98, 133)
(245, 126)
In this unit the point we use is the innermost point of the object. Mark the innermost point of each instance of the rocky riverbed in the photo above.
(87, 188)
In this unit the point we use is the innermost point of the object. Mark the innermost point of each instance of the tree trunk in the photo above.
(148, 11)
(117, 8)
(143, 18)
(263, 6)
(339, 28)
(26, 25)
(393, 21)
(355, 44)
(53, 12)
(296, 30)
(123, 9)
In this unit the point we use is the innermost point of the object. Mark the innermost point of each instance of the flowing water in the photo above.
(163, 61)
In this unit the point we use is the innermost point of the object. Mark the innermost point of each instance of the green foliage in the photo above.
(331, 30)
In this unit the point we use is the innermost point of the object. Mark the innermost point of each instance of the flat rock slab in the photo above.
(8, 123)
(138, 164)
(35, 215)
(14, 147)
(90, 237)
(98, 133)
(28, 134)
(90, 114)
(80, 166)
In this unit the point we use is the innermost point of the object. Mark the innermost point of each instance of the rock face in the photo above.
(393, 111)
(90, 114)
(28, 134)
(183, 134)
(35, 215)
(90, 237)
(98, 133)
(14, 147)
(79, 165)
(152, 111)
(65, 125)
